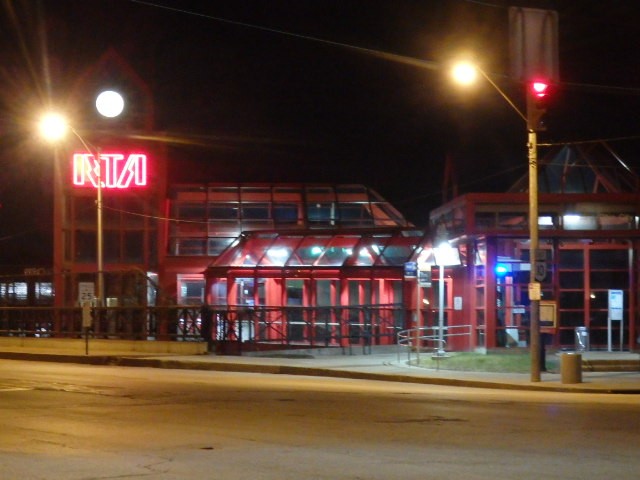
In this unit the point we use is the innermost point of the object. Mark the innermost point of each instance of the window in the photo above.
(190, 211)
(285, 213)
(133, 247)
(216, 245)
(191, 290)
(223, 211)
(190, 246)
(85, 246)
(571, 259)
(44, 293)
(14, 292)
(354, 214)
(255, 211)
(322, 213)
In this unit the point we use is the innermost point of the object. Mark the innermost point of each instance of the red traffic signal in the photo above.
(537, 97)
(539, 89)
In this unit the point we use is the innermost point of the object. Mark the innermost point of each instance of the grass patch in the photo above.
(478, 362)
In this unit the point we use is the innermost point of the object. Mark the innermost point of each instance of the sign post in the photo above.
(615, 314)
(86, 298)
(86, 324)
(411, 272)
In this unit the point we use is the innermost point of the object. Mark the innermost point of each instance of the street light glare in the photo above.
(464, 73)
(53, 126)
(110, 104)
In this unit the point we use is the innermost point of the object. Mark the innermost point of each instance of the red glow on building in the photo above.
(120, 170)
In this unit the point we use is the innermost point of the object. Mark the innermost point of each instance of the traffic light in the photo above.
(537, 98)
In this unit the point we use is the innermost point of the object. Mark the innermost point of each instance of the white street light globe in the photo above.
(53, 126)
(464, 73)
(110, 104)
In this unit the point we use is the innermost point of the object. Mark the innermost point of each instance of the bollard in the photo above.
(571, 368)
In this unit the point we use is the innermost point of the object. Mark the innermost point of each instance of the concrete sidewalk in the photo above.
(376, 366)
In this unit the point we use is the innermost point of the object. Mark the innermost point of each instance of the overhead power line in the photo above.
(394, 57)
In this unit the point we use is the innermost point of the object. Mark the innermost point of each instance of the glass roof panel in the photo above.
(266, 249)
(251, 252)
(339, 249)
(367, 251)
(398, 251)
(309, 250)
(280, 251)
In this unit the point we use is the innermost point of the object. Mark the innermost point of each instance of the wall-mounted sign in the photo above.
(424, 278)
(410, 270)
(457, 303)
(115, 170)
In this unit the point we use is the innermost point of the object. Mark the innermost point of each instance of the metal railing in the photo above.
(429, 339)
(178, 322)
(364, 325)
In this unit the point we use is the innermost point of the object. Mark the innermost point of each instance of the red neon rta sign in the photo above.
(115, 170)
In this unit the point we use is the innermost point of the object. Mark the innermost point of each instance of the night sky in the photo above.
(313, 91)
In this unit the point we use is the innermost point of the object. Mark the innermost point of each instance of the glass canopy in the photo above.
(321, 249)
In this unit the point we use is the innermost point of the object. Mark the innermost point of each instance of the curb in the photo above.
(171, 363)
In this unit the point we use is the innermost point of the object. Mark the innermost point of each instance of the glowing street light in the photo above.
(53, 127)
(109, 104)
(464, 73)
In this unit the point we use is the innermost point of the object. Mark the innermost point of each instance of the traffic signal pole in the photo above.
(534, 293)
(537, 92)
(536, 96)
(533, 48)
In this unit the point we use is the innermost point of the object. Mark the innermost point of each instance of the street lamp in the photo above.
(53, 127)
(532, 145)
(109, 104)
(464, 73)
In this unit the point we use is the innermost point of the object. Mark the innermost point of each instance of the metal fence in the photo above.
(130, 323)
(311, 326)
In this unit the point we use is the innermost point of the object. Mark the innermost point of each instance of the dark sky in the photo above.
(302, 90)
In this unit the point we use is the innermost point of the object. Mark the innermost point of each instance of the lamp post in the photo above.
(445, 255)
(440, 352)
(53, 127)
(109, 104)
(465, 73)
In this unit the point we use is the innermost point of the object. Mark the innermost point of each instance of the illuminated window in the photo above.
(43, 293)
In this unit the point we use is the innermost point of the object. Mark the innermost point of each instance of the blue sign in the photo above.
(410, 269)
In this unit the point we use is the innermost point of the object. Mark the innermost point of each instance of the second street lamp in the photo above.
(109, 104)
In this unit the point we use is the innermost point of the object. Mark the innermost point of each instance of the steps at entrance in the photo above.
(603, 365)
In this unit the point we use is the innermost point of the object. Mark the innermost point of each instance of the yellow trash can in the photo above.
(571, 368)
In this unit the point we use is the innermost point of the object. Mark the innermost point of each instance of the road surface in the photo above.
(63, 421)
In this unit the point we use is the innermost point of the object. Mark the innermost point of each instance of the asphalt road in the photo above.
(65, 421)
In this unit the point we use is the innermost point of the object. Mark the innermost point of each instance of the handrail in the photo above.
(414, 338)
